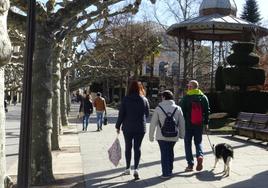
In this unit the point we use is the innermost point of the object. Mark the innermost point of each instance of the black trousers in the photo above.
(130, 139)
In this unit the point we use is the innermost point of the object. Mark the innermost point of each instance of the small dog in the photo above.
(226, 152)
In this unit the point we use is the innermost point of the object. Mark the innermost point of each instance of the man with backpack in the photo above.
(195, 109)
(168, 122)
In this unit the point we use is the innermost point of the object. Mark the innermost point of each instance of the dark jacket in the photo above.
(86, 106)
(185, 105)
(133, 112)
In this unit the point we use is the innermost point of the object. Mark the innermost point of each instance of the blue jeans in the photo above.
(129, 138)
(99, 119)
(195, 133)
(85, 121)
(167, 156)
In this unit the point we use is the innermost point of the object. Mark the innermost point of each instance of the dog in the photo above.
(226, 152)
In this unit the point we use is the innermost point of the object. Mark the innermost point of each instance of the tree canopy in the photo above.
(251, 12)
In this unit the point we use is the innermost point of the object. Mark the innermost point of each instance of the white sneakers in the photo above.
(135, 173)
(126, 172)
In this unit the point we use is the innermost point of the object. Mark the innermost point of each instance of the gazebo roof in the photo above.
(221, 6)
(217, 22)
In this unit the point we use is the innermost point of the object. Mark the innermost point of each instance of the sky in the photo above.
(147, 9)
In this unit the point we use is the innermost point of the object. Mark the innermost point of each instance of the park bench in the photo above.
(252, 125)
(242, 124)
(261, 126)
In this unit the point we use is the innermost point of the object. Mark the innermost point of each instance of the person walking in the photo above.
(132, 116)
(15, 100)
(100, 105)
(79, 97)
(5, 105)
(87, 108)
(195, 107)
(166, 144)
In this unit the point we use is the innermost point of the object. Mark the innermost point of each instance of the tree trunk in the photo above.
(121, 87)
(176, 85)
(41, 159)
(63, 111)
(56, 100)
(106, 89)
(136, 71)
(2, 131)
(5, 54)
(68, 100)
(152, 65)
(186, 63)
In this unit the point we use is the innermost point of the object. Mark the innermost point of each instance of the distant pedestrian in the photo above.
(132, 116)
(5, 105)
(195, 109)
(15, 100)
(100, 105)
(166, 144)
(8, 99)
(73, 98)
(87, 108)
(78, 96)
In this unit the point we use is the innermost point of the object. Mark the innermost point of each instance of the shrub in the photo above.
(213, 102)
(245, 76)
(246, 60)
(219, 82)
(229, 102)
(243, 47)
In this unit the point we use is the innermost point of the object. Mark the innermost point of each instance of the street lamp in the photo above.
(24, 164)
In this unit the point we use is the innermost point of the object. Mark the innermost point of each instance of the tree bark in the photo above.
(5, 54)
(63, 110)
(186, 63)
(41, 161)
(2, 131)
(106, 90)
(68, 100)
(56, 100)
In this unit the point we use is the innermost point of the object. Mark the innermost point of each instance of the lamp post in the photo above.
(26, 112)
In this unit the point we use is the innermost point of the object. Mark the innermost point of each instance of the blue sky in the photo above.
(147, 9)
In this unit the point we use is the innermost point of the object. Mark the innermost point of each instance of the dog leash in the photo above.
(212, 148)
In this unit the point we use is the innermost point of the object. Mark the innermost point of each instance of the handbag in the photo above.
(105, 120)
(81, 114)
(114, 152)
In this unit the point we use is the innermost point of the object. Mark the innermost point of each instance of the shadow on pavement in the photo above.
(93, 119)
(208, 176)
(128, 183)
(97, 179)
(258, 181)
(253, 142)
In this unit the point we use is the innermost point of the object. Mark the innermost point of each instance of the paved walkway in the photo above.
(249, 168)
(83, 161)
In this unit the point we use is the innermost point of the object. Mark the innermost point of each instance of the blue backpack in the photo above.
(169, 128)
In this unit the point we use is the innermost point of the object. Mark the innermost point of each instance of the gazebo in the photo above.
(217, 22)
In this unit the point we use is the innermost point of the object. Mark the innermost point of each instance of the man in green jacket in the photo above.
(195, 109)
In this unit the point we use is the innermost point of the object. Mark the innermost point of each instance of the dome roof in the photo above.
(224, 7)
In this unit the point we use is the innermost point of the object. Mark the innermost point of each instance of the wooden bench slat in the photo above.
(260, 118)
(252, 125)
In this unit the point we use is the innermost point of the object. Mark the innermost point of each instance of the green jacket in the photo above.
(185, 104)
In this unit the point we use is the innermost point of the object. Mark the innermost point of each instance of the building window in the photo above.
(163, 68)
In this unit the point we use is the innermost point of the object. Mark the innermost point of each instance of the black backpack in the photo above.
(169, 128)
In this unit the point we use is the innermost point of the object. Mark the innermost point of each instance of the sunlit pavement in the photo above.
(83, 160)
(249, 168)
